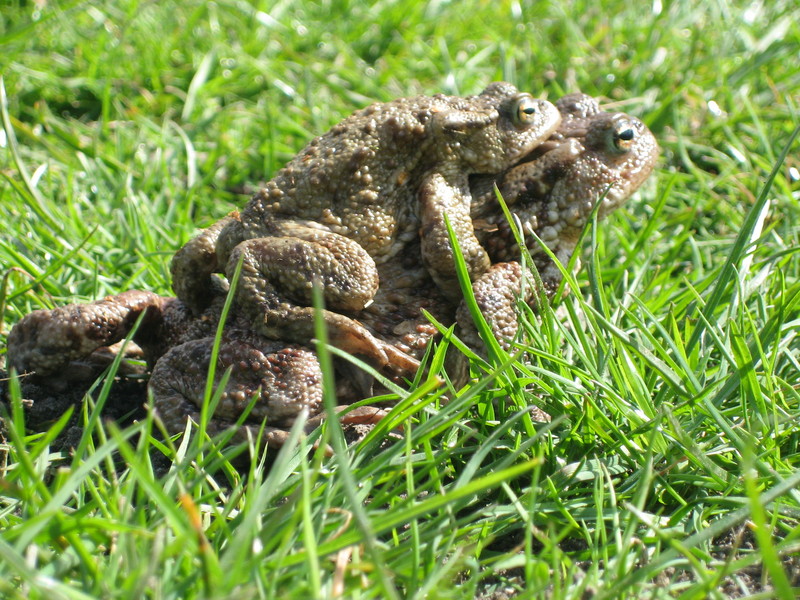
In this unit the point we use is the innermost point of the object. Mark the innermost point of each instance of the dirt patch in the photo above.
(44, 406)
(732, 545)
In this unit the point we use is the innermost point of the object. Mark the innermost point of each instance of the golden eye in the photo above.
(525, 109)
(622, 136)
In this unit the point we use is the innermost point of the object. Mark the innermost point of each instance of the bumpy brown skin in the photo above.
(281, 380)
(275, 382)
(553, 195)
(352, 200)
(46, 341)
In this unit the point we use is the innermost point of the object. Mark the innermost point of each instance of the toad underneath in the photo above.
(594, 156)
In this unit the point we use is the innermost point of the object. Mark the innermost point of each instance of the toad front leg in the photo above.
(439, 198)
(276, 284)
(497, 293)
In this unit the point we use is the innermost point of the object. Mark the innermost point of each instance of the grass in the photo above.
(672, 372)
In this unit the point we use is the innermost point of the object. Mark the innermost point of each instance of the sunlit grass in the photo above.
(671, 372)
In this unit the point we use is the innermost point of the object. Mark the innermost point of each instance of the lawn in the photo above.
(671, 465)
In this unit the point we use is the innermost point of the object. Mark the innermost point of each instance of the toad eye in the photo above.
(524, 110)
(622, 136)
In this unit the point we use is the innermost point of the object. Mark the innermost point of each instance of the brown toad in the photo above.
(351, 200)
(593, 155)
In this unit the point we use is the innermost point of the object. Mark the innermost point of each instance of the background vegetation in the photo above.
(670, 468)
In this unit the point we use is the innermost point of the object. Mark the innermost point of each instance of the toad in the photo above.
(593, 157)
(350, 201)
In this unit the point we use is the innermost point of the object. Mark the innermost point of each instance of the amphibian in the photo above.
(351, 200)
(593, 155)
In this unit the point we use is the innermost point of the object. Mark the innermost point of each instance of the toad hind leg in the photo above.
(276, 284)
(49, 342)
(194, 265)
(279, 380)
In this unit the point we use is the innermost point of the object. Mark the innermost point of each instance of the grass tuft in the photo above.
(671, 373)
